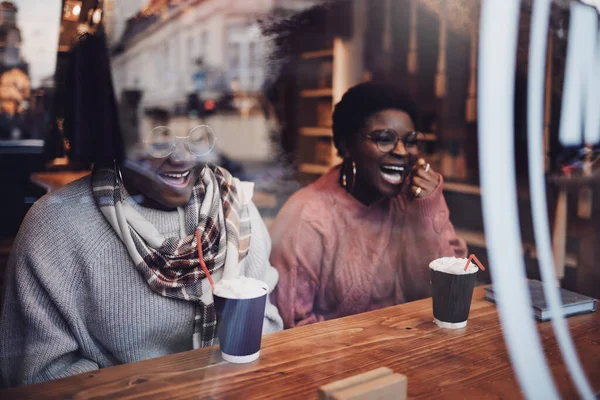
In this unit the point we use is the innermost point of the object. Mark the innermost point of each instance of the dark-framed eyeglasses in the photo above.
(162, 141)
(387, 140)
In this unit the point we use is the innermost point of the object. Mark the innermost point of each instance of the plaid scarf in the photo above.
(216, 208)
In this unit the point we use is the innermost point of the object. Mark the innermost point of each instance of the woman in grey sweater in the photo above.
(107, 270)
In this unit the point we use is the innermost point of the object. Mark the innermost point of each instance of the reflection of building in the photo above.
(160, 46)
(14, 78)
(173, 50)
(197, 58)
(117, 12)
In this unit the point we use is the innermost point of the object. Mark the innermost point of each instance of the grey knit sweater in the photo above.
(74, 301)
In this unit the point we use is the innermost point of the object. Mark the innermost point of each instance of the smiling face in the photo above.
(164, 183)
(381, 174)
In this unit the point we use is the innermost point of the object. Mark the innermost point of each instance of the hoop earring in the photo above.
(344, 180)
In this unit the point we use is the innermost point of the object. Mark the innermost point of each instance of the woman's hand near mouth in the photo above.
(424, 179)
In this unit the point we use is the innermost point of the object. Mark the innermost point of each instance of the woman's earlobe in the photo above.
(343, 152)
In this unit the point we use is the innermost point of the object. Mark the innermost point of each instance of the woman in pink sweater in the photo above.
(362, 236)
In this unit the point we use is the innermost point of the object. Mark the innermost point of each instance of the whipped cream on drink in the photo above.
(241, 287)
(453, 266)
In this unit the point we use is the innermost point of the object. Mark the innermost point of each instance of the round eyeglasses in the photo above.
(387, 140)
(161, 141)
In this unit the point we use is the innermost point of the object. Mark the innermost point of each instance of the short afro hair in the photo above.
(360, 102)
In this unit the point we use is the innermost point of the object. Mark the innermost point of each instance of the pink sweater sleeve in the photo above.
(432, 212)
(429, 235)
(297, 255)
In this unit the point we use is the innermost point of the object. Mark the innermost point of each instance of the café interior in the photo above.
(265, 76)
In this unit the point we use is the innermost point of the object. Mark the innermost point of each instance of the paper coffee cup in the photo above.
(240, 308)
(452, 290)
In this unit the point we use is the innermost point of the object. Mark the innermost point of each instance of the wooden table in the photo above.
(53, 180)
(468, 364)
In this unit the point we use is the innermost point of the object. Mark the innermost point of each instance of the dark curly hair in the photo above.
(361, 102)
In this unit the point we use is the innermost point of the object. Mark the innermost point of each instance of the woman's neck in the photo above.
(140, 198)
(361, 192)
(365, 196)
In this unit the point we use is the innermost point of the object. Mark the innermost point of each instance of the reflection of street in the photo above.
(196, 61)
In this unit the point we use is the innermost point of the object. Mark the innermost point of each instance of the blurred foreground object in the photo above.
(381, 383)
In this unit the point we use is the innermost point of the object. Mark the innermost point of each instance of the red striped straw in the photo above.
(201, 259)
(472, 257)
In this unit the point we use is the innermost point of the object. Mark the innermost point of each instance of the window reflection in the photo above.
(338, 139)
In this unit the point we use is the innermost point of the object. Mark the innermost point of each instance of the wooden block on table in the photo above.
(372, 383)
(391, 387)
(326, 390)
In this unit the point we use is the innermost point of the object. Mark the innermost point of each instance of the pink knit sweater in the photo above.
(338, 257)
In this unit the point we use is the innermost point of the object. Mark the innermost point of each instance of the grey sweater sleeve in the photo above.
(36, 342)
(259, 267)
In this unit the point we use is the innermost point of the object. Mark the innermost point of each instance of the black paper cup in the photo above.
(239, 327)
(452, 295)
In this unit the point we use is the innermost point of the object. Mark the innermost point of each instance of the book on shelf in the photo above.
(572, 303)
(325, 75)
(324, 111)
(323, 152)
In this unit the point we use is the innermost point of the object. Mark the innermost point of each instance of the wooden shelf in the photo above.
(322, 131)
(316, 93)
(317, 54)
(462, 188)
(477, 239)
(316, 169)
(473, 238)
(316, 151)
(467, 188)
(316, 131)
(430, 137)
